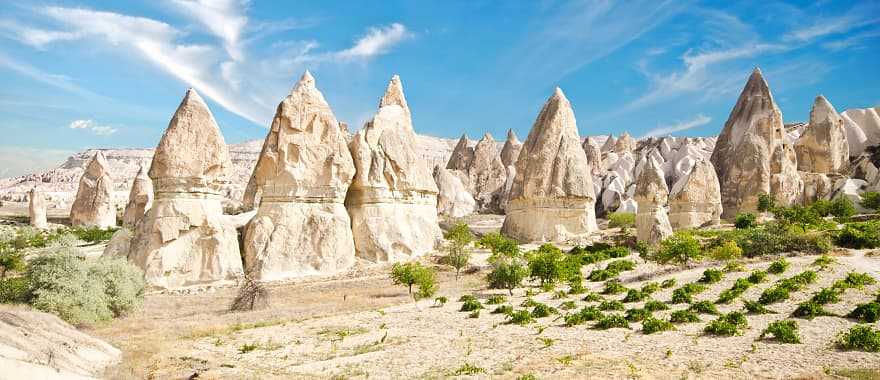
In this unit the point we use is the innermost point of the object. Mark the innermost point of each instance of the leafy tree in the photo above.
(681, 247)
(547, 263)
(507, 273)
(765, 202)
(727, 251)
(413, 273)
(745, 220)
(458, 248)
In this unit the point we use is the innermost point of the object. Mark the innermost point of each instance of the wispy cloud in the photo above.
(698, 121)
(223, 18)
(854, 41)
(376, 42)
(90, 125)
(34, 37)
(55, 80)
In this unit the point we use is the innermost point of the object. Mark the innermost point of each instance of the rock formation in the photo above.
(652, 195)
(695, 200)
(822, 147)
(392, 200)
(182, 239)
(93, 205)
(461, 156)
(751, 156)
(301, 226)
(37, 209)
(510, 150)
(608, 146)
(594, 155)
(453, 198)
(140, 199)
(486, 175)
(552, 194)
(624, 143)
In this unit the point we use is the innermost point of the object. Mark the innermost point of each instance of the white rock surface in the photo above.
(552, 194)
(392, 200)
(695, 200)
(652, 195)
(301, 226)
(510, 150)
(140, 199)
(453, 198)
(822, 147)
(37, 209)
(93, 205)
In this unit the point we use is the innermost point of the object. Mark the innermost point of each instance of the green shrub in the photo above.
(824, 261)
(468, 369)
(14, 290)
(805, 278)
(871, 200)
(503, 309)
(61, 283)
(611, 321)
(809, 310)
(611, 305)
(745, 220)
(618, 266)
(757, 277)
(842, 207)
(854, 280)
(803, 217)
(123, 283)
(766, 202)
(650, 288)
(499, 245)
(652, 325)
(778, 266)
(601, 275)
(93, 234)
(529, 302)
(861, 338)
(740, 286)
(734, 266)
(654, 305)
(729, 324)
(458, 247)
(684, 316)
(774, 294)
(826, 296)
(634, 295)
(785, 331)
(711, 276)
(866, 312)
(471, 305)
(414, 273)
(440, 301)
(592, 297)
(541, 310)
(704, 307)
(637, 315)
(590, 313)
(615, 252)
(613, 287)
(668, 283)
(753, 307)
(727, 251)
(621, 219)
(507, 273)
(466, 298)
(567, 305)
(496, 299)
(520, 317)
(11, 260)
(822, 207)
(547, 264)
(681, 247)
(685, 293)
(859, 235)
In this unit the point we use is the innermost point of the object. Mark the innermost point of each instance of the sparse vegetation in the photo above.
(711, 276)
(503, 309)
(745, 220)
(496, 299)
(614, 287)
(414, 273)
(668, 283)
(778, 266)
(633, 295)
(684, 316)
(824, 261)
(866, 312)
(861, 338)
(471, 305)
(685, 293)
(757, 277)
(468, 369)
(458, 247)
(520, 317)
(653, 325)
(611, 321)
(753, 307)
(704, 307)
(541, 311)
(766, 202)
(622, 220)
(682, 247)
(726, 251)
(785, 331)
(854, 280)
(740, 286)
(729, 324)
(859, 235)
(654, 305)
(871, 200)
(611, 305)
(637, 315)
(809, 310)
(589, 313)
(547, 264)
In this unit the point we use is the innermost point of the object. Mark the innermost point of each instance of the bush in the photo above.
(496, 299)
(854, 280)
(93, 234)
(745, 220)
(458, 248)
(611, 305)
(727, 251)
(652, 325)
(621, 219)
(711, 276)
(413, 273)
(683, 316)
(612, 321)
(861, 338)
(637, 315)
(471, 305)
(520, 317)
(778, 266)
(824, 261)
(681, 248)
(10, 260)
(503, 309)
(567, 305)
(753, 307)
(783, 331)
(541, 310)
(729, 324)
(14, 290)
(654, 305)
(734, 266)
(467, 297)
(740, 286)
(547, 264)
(507, 273)
(499, 245)
(614, 287)
(704, 307)
(766, 202)
(842, 207)
(757, 277)
(826, 296)
(685, 293)
(774, 294)
(804, 217)
(821, 207)
(601, 275)
(82, 292)
(590, 313)
(592, 297)
(871, 200)
(634, 295)
(650, 288)
(618, 266)
(668, 283)
(866, 312)
(859, 235)
(615, 252)
(809, 310)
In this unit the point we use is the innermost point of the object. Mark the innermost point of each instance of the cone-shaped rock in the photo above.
(652, 195)
(510, 150)
(608, 146)
(182, 239)
(625, 143)
(751, 156)
(822, 148)
(301, 226)
(37, 209)
(462, 155)
(140, 199)
(392, 200)
(552, 194)
(594, 155)
(695, 199)
(453, 198)
(93, 205)
(486, 175)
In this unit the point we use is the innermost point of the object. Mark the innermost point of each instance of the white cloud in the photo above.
(35, 37)
(853, 41)
(661, 130)
(100, 130)
(223, 18)
(377, 41)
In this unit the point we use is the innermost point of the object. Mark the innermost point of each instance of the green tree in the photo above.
(458, 247)
(842, 207)
(414, 273)
(507, 273)
(681, 247)
(766, 202)
(547, 263)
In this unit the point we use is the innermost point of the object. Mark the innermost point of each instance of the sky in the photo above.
(102, 73)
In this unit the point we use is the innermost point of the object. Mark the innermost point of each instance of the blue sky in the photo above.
(80, 74)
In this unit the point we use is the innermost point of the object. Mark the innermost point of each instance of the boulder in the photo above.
(462, 155)
(301, 226)
(140, 199)
(182, 239)
(652, 195)
(510, 150)
(822, 147)
(751, 156)
(552, 194)
(37, 209)
(392, 200)
(868, 121)
(851, 189)
(453, 198)
(695, 199)
(93, 205)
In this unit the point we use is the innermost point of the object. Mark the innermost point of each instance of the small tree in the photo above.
(745, 220)
(458, 247)
(547, 264)
(766, 202)
(681, 247)
(507, 273)
(413, 273)
(842, 207)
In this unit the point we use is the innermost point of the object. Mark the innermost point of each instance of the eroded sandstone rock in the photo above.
(594, 155)
(486, 175)
(652, 195)
(182, 239)
(392, 200)
(93, 206)
(301, 226)
(462, 155)
(552, 193)
(453, 198)
(510, 150)
(140, 199)
(695, 200)
(37, 209)
(822, 147)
